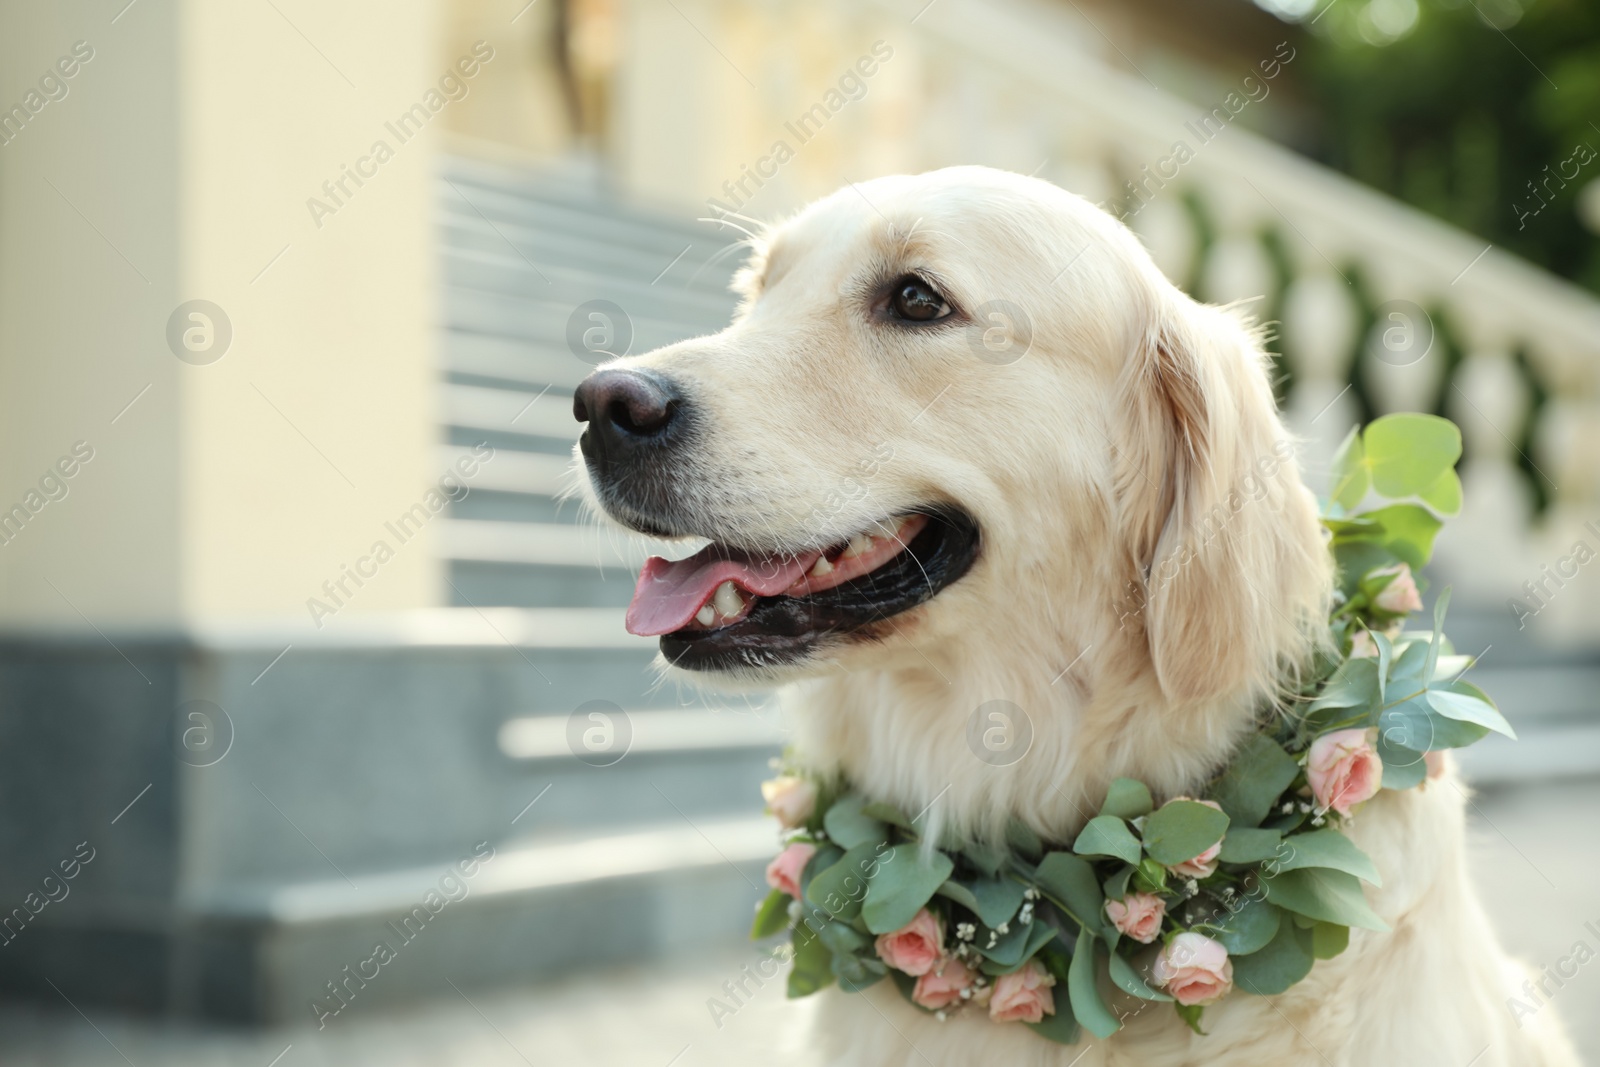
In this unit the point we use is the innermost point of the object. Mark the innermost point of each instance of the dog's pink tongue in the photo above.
(671, 591)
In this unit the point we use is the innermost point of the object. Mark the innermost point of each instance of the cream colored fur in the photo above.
(1148, 576)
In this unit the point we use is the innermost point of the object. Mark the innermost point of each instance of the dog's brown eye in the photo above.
(916, 301)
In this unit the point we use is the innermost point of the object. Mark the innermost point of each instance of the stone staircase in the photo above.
(522, 256)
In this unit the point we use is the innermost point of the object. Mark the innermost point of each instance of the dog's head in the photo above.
(957, 409)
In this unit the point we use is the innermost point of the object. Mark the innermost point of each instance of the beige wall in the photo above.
(192, 142)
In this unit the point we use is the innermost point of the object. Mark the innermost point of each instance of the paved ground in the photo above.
(1532, 851)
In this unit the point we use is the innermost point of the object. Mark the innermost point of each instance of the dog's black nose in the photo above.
(626, 410)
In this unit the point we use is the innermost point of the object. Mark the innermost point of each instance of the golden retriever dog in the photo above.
(959, 423)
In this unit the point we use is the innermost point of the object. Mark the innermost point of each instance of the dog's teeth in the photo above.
(728, 601)
(821, 567)
(706, 615)
(858, 544)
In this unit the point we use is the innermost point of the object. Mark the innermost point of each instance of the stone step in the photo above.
(307, 952)
(589, 547)
(543, 413)
(542, 320)
(340, 765)
(478, 258)
(519, 585)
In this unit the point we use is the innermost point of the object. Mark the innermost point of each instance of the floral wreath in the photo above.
(1243, 888)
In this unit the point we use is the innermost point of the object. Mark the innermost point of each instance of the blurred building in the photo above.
(292, 300)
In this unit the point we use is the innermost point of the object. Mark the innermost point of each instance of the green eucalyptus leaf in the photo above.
(1190, 1014)
(1022, 838)
(959, 893)
(1467, 707)
(1247, 929)
(1350, 476)
(1325, 895)
(848, 826)
(1108, 835)
(906, 985)
(1353, 685)
(1410, 668)
(1403, 768)
(1385, 649)
(1259, 773)
(1354, 529)
(1248, 845)
(841, 888)
(987, 858)
(886, 813)
(1448, 667)
(1013, 948)
(1151, 877)
(812, 966)
(856, 973)
(997, 898)
(1071, 881)
(1440, 606)
(1117, 884)
(905, 881)
(1409, 531)
(1414, 724)
(1355, 559)
(1083, 989)
(1180, 830)
(1285, 960)
(1444, 495)
(1328, 940)
(824, 857)
(1127, 799)
(1330, 849)
(771, 916)
(843, 940)
(1408, 452)
(1125, 978)
(1287, 823)
(1062, 1027)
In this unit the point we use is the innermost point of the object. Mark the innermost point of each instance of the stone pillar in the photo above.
(217, 296)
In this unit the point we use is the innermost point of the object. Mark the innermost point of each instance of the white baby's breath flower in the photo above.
(1003, 928)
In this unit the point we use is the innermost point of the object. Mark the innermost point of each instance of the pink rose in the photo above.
(791, 799)
(1435, 762)
(1138, 915)
(784, 872)
(1194, 969)
(1205, 864)
(1400, 596)
(915, 947)
(942, 986)
(1343, 769)
(1023, 996)
(1362, 646)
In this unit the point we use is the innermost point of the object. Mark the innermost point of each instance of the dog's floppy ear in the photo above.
(1223, 536)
